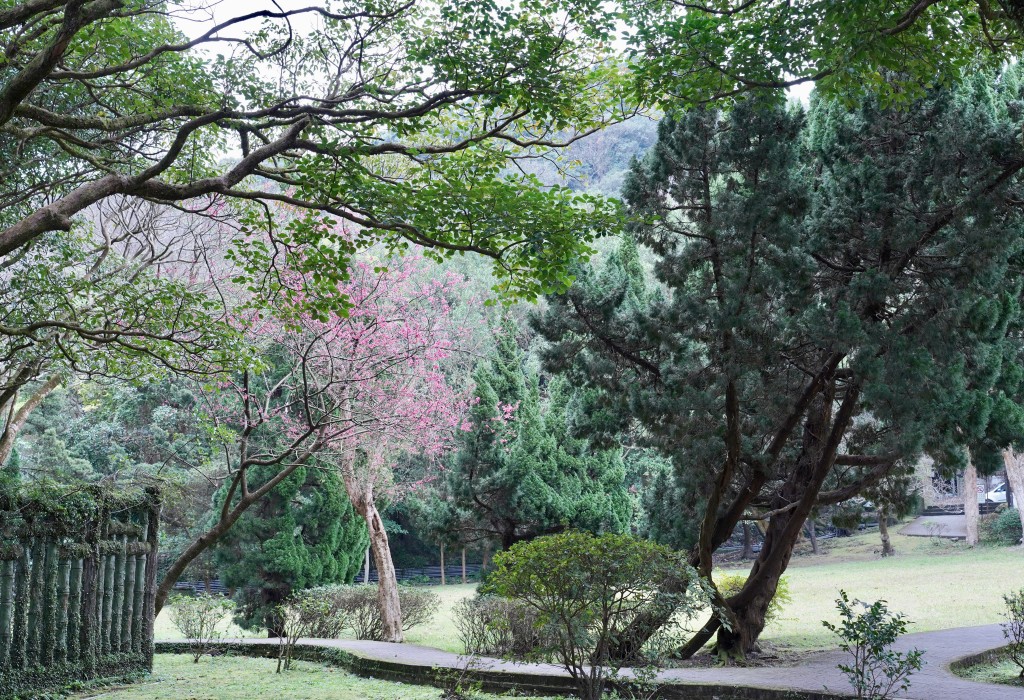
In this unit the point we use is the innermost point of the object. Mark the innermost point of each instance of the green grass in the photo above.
(938, 584)
(1004, 672)
(175, 677)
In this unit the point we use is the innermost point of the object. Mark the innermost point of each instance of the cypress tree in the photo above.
(304, 533)
(519, 471)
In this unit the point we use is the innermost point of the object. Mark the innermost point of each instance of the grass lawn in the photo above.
(1004, 672)
(937, 583)
(175, 677)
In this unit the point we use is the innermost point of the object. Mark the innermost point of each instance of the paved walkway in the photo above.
(953, 526)
(817, 673)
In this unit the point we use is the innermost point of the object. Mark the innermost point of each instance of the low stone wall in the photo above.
(985, 657)
(492, 681)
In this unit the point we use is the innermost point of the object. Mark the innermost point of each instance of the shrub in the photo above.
(197, 618)
(301, 616)
(356, 608)
(492, 626)
(1004, 528)
(1013, 628)
(586, 590)
(730, 584)
(876, 670)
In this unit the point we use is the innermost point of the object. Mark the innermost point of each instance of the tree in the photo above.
(302, 534)
(397, 117)
(819, 317)
(352, 391)
(129, 293)
(518, 473)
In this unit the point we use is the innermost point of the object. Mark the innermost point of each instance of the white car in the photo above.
(996, 495)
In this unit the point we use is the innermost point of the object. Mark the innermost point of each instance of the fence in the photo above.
(77, 586)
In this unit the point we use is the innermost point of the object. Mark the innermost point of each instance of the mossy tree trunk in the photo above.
(92, 582)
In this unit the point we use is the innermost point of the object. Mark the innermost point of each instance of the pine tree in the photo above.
(838, 292)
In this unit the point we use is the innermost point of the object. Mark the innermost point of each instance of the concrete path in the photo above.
(816, 674)
(953, 526)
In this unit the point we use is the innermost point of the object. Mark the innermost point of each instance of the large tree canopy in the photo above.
(835, 295)
(400, 117)
(699, 51)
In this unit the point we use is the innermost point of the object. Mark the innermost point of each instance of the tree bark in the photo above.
(812, 534)
(1015, 476)
(442, 564)
(463, 564)
(971, 501)
(883, 531)
(387, 583)
(748, 542)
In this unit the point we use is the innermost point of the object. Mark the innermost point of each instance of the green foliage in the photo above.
(696, 52)
(198, 617)
(1013, 628)
(1002, 528)
(586, 590)
(867, 632)
(304, 614)
(730, 584)
(519, 472)
(302, 534)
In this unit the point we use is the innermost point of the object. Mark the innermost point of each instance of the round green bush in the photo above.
(1004, 528)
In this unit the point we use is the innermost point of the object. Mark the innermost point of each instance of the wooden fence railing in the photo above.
(77, 585)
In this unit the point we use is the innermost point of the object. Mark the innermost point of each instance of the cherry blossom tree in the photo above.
(349, 389)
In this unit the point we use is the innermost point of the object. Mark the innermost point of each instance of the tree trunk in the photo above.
(387, 583)
(442, 564)
(463, 564)
(1015, 476)
(748, 542)
(883, 531)
(971, 501)
(793, 503)
(366, 570)
(228, 518)
(812, 534)
(19, 417)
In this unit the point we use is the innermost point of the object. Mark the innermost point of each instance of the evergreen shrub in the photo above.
(1004, 528)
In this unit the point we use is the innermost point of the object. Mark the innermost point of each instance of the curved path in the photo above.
(816, 677)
